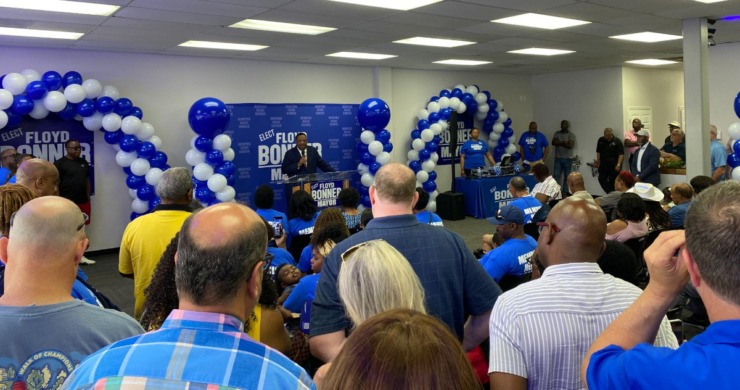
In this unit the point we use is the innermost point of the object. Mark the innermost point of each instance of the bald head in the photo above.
(39, 175)
(576, 233)
(395, 183)
(48, 224)
(681, 193)
(575, 182)
(518, 187)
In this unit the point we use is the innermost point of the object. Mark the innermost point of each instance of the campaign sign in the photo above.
(262, 133)
(325, 193)
(464, 124)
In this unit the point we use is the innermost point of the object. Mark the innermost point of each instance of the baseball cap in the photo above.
(675, 124)
(643, 133)
(508, 214)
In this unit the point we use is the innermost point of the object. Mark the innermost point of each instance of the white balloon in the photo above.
(111, 92)
(500, 107)
(432, 206)
(418, 144)
(428, 165)
(221, 142)
(480, 115)
(146, 131)
(194, 157)
(203, 171)
(39, 111)
(736, 173)
(363, 169)
(418, 183)
(483, 109)
(93, 122)
(511, 149)
(434, 157)
(140, 206)
(367, 136)
(111, 122)
(481, 98)
(435, 128)
(367, 179)
(124, 159)
(493, 143)
(443, 102)
(93, 88)
(229, 154)
(734, 130)
(433, 107)
(383, 158)
(152, 177)
(512, 140)
(498, 128)
(454, 103)
(461, 108)
(3, 119)
(423, 114)
(473, 90)
(412, 155)
(140, 166)
(433, 195)
(422, 176)
(427, 135)
(226, 195)
(502, 117)
(15, 83)
(54, 101)
(460, 87)
(375, 148)
(6, 99)
(192, 141)
(494, 136)
(132, 193)
(217, 182)
(74, 93)
(31, 75)
(130, 124)
(156, 141)
(443, 124)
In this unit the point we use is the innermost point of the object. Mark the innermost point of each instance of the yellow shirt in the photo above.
(143, 243)
(255, 322)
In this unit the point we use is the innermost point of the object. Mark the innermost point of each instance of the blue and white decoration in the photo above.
(733, 160)
(375, 146)
(211, 155)
(433, 120)
(98, 107)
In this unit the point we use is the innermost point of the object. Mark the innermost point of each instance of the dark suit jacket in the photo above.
(649, 172)
(292, 156)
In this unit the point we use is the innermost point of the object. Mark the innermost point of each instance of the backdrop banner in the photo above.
(262, 133)
(464, 124)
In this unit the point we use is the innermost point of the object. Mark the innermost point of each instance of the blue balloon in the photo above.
(415, 165)
(503, 142)
(365, 200)
(127, 171)
(166, 167)
(203, 143)
(112, 137)
(158, 160)
(434, 99)
(472, 107)
(374, 114)
(204, 195)
(431, 146)
(154, 202)
(374, 167)
(13, 120)
(416, 133)
(226, 168)
(36, 89)
(508, 132)
(488, 94)
(507, 122)
(145, 192)
(70, 78)
(22, 105)
(433, 117)
(68, 112)
(488, 125)
(433, 175)
(214, 157)
(106, 104)
(136, 111)
(736, 147)
(145, 150)
(124, 107)
(437, 139)
(383, 136)
(430, 186)
(516, 156)
(424, 154)
(361, 147)
(493, 116)
(492, 104)
(498, 154)
(733, 160)
(467, 99)
(363, 190)
(52, 80)
(388, 146)
(423, 124)
(86, 108)
(737, 105)
(445, 113)
(209, 117)
(134, 215)
(134, 182)
(128, 143)
(198, 183)
(445, 93)
(457, 92)
(367, 158)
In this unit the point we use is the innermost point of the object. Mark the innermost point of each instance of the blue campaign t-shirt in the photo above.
(303, 291)
(281, 257)
(429, 218)
(299, 226)
(273, 217)
(529, 206)
(533, 145)
(475, 152)
(304, 262)
(511, 258)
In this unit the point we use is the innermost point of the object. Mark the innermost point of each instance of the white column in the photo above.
(696, 96)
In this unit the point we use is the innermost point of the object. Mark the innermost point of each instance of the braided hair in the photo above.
(12, 197)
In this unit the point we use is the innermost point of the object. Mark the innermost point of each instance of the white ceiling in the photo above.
(158, 26)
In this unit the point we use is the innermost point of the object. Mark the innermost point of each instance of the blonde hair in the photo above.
(375, 278)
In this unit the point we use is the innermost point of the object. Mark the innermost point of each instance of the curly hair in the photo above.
(12, 197)
(301, 206)
(335, 231)
(349, 198)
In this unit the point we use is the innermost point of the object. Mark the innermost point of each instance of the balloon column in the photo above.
(733, 160)
(99, 108)
(425, 139)
(211, 154)
(375, 145)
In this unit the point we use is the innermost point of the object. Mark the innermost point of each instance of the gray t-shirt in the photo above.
(41, 345)
(560, 151)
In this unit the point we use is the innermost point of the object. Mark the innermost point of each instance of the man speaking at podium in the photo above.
(303, 159)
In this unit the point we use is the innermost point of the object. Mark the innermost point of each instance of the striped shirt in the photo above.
(541, 330)
(548, 187)
(195, 350)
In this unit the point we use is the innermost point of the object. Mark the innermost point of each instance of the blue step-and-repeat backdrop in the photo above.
(464, 125)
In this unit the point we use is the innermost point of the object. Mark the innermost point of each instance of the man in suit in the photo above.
(303, 159)
(644, 165)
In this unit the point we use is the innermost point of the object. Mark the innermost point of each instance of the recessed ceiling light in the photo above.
(540, 21)
(291, 28)
(434, 42)
(462, 62)
(72, 7)
(537, 51)
(710, 1)
(24, 32)
(651, 62)
(649, 37)
(403, 5)
(222, 45)
(361, 56)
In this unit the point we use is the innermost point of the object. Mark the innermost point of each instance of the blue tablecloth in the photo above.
(484, 196)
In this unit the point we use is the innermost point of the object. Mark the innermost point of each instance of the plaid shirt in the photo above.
(192, 350)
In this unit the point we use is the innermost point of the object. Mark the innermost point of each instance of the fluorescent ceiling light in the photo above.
(72, 7)
(24, 32)
(291, 28)
(403, 5)
(222, 45)
(537, 51)
(462, 62)
(649, 37)
(361, 56)
(710, 1)
(434, 42)
(540, 21)
(651, 62)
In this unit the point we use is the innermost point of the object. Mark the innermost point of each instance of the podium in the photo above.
(323, 187)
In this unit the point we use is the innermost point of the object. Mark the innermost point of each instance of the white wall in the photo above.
(591, 100)
(724, 85)
(660, 89)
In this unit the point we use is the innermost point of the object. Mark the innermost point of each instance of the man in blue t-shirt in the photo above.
(717, 156)
(420, 210)
(510, 264)
(523, 200)
(533, 145)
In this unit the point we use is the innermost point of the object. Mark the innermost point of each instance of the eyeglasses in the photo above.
(346, 254)
(268, 261)
(550, 225)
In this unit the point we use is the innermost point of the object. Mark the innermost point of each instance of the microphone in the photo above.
(303, 154)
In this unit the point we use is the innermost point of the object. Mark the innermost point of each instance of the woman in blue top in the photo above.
(302, 211)
(473, 152)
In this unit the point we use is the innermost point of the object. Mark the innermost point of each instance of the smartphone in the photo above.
(277, 225)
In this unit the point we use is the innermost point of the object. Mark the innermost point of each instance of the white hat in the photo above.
(643, 133)
(647, 191)
(675, 124)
